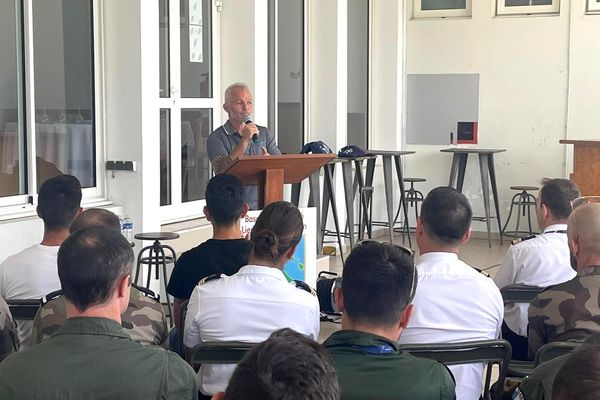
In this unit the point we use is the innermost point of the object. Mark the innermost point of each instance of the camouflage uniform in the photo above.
(9, 341)
(569, 311)
(144, 320)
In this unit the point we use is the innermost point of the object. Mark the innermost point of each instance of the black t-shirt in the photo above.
(209, 258)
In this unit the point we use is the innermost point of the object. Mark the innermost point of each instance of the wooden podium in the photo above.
(586, 165)
(271, 172)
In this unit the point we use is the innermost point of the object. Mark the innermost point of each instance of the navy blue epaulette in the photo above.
(522, 239)
(482, 272)
(304, 286)
(210, 278)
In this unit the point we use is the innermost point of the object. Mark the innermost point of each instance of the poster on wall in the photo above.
(303, 264)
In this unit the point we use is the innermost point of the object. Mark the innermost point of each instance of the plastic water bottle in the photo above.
(128, 228)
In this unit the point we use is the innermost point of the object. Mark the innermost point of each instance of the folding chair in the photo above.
(219, 352)
(22, 309)
(482, 351)
(552, 350)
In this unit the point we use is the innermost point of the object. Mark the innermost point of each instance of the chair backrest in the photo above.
(21, 309)
(497, 351)
(219, 352)
(519, 293)
(554, 349)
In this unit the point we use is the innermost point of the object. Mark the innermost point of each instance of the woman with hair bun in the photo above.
(258, 300)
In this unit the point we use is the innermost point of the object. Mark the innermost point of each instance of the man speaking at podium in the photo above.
(239, 136)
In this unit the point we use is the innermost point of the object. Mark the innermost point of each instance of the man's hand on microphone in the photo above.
(248, 131)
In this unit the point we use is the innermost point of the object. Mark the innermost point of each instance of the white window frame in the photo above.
(178, 210)
(501, 9)
(592, 7)
(24, 205)
(419, 13)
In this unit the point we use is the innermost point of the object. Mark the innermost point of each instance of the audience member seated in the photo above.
(31, 274)
(256, 301)
(9, 341)
(538, 385)
(378, 284)
(571, 310)
(579, 378)
(225, 253)
(144, 320)
(287, 366)
(453, 302)
(538, 260)
(91, 355)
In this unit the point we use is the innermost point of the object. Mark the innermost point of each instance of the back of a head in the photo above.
(378, 281)
(278, 227)
(557, 195)
(579, 377)
(225, 198)
(583, 226)
(287, 366)
(95, 217)
(90, 263)
(59, 200)
(446, 215)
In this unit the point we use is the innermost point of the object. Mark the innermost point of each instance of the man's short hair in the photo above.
(377, 283)
(286, 366)
(579, 377)
(96, 217)
(225, 198)
(557, 195)
(232, 87)
(90, 263)
(59, 200)
(446, 215)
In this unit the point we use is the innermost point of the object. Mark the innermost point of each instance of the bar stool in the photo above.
(156, 258)
(413, 196)
(523, 200)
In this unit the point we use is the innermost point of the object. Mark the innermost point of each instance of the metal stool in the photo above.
(156, 258)
(523, 201)
(413, 196)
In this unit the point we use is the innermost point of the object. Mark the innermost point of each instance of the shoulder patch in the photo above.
(210, 278)
(304, 286)
(522, 239)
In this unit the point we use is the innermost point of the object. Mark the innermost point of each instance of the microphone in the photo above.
(248, 120)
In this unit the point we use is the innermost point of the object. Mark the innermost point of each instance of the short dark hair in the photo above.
(225, 198)
(377, 282)
(446, 215)
(287, 366)
(95, 217)
(557, 194)
(59, 200)
(278, 227)
(579, 377)
(90, 263)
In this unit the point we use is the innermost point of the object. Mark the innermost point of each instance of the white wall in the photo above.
(524, 68)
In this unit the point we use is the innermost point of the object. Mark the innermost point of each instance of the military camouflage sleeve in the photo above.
(9, 341)
(537, 330)
(49, 318)
(145, 320)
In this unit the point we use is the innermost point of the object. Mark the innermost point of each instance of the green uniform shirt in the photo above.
(93, 358)
(372, 367)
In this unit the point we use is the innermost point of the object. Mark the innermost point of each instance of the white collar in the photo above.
(555, 227)
(228, 128)
(437, 255)
(262, 270)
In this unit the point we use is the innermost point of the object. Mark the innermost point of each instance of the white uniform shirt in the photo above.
(30, 274)
(247, 306)
(541, 261)
(454, 303)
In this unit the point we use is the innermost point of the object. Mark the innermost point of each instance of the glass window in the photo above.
(12, 132)
(64, 89)
(508, 7)
(441, 8)
(196, 125)
(195, 48)
(286, 48)
(165, 157)
(163, 48)
(358, 72)
(593, 6)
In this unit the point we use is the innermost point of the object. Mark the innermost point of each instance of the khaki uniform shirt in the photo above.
(373, 367)
(565, 312)
(9, 341)
(144, 320)
(93, 358)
